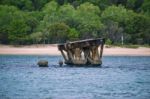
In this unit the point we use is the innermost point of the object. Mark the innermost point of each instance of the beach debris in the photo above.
(60, 63)
(43, 63)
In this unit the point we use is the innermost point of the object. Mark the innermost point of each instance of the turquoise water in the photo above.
(120, 77)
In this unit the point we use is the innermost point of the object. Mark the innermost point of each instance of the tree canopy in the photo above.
(55, 21)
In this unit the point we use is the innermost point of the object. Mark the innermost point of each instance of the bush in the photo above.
(108, 42)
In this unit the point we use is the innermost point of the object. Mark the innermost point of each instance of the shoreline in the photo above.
(51, 50)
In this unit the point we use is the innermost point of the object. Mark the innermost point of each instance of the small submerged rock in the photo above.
(60, 63)
(43, 63)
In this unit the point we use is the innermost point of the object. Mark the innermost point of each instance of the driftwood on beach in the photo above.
(83, 52)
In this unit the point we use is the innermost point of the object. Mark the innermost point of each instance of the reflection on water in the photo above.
(120, 77)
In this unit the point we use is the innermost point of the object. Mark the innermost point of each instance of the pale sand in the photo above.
(52, 50)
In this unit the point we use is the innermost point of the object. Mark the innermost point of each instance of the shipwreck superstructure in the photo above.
(83, 52)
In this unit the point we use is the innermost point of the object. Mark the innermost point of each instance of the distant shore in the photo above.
(51, 49)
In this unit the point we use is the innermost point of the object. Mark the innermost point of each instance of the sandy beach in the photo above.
(52, 50)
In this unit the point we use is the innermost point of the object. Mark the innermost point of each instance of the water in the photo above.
(120, 77)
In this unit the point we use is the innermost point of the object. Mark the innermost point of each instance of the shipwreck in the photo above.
(83, 52)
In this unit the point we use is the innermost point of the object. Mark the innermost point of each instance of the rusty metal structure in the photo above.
(84, 52)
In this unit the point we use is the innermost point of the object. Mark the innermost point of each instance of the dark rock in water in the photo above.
(43, 63)
(60, 62)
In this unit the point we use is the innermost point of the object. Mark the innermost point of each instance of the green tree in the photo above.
(21, 4)
(113, 32)
(146, 7)
(116, 19)
(138, 28)
(51, 15)
(31, 21)
(73, 34)
(16, 25)
(57, 33)
(6, 17)
(36, 37)
(18, 29)
(130, 4)
(26, 5)
(115, 13)
(39, 4)
(89, 23)
(25, 21)
(67, 14)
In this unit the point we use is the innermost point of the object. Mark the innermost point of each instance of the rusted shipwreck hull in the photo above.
(84, 52)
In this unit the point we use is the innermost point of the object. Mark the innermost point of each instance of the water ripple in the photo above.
(120, 77)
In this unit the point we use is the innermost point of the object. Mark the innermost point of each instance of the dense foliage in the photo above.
(55, 21)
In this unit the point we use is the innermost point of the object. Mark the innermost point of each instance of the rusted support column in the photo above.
(86, 55)
(101, 50)
(95, 53)
(63, 54)
(70, 55)
(77, 53)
